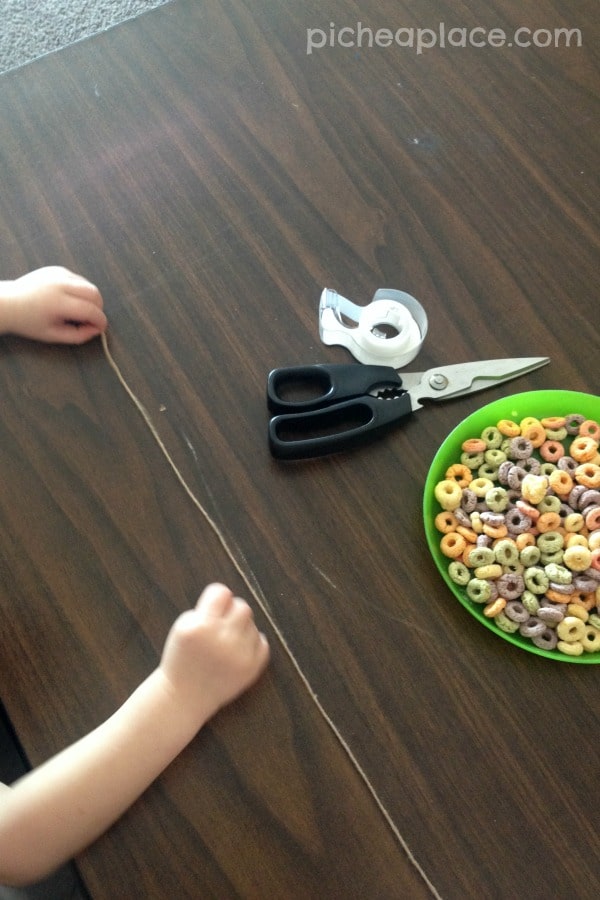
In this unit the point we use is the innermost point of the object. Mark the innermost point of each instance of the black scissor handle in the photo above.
(307, 388)
(341, 426)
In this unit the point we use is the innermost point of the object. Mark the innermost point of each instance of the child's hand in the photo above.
(51, 304)
(213, 653)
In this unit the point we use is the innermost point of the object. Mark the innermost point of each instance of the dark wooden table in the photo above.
(212, 177)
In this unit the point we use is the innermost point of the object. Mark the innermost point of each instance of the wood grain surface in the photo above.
(212, 177)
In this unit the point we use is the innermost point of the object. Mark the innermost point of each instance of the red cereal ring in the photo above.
(590, 428)
(552, 451)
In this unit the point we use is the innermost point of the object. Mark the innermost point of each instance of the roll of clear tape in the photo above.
(389, 331)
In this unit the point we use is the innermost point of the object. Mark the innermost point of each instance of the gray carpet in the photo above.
(32, 28)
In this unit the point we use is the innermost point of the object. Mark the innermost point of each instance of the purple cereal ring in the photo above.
(592, 573)
(575, 494)
(567, 464)
(503, 470)
(494, 519)
(562, 588)
(483, 540)
(516, 611)
(462, 517)
(520, 448)
(469, 500)
(533, 627)
(516, 521)
(515, 477)
(545, 641)
(584, 583)
(572, 423)
(510, 586)
(531, 465)
(550, 614)
(588, 497)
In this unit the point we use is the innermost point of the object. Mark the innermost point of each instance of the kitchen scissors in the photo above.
(320, 409)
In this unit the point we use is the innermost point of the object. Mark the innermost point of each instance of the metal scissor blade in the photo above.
(456, 380)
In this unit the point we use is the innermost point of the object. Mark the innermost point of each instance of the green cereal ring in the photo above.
(556, 434)
(492, 437)
(497, 499)
(459, 573)
(530, 555)
(478, 590)
(505, 445)
(536, 580)
(594, 620)
(546, 559)
(506, 553)
(559, 574)
(488, 471)
(481, 556)
(549, 503)
(505, 624)
(547, 468)
(471, 460)
(550, 542)
(494, 457)
(530, 602)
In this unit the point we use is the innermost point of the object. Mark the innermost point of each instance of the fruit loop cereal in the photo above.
(520, 524)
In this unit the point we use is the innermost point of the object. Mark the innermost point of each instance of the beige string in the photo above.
(258, 596)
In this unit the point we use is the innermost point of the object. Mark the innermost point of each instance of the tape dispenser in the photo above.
(389, 331)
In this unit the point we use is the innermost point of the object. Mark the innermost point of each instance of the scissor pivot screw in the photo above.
(438, 382)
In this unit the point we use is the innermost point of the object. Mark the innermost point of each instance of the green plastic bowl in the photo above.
(533, 403)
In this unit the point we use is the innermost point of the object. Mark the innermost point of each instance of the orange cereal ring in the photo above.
(590, 428)
(588, 474)
(552, 451)
(548, 522)
(554, 422)
(495, 531)
(580, 598)
(474, 445)
(461, 474)
(467, 533)
(535, 434)
(445, 521)
(560, 482)
(466, 552)
(532, 512)
(583, 448)
(508, 428)
(555, 597)
(525, 539)
(495, 607)
(592, 519)
(452, 544)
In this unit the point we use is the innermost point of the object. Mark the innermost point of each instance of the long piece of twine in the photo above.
(256, 594)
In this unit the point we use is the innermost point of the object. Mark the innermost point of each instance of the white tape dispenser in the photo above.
(389, 331)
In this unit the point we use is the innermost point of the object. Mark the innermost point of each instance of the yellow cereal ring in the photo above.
(534, 488)
(461, 474)
(528, 421)
(493, 570)
(583, 448)
(525, 539)
(571, 629)
(594, 540)
(590, 639)
(588, 474)
(573, 648)
(452, 545)
(508, 428)
(480, 486)
(573, 523)
(448, 494)
(495, 607)
(577, 610)
(577, 558)
(560, 482)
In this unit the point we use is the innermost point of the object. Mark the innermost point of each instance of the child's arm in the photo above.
(212, 654)
(51, 304)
